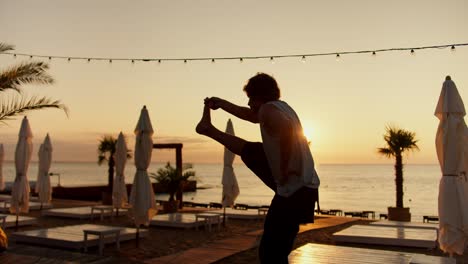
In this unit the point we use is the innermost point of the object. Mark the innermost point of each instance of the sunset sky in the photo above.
(344, 105)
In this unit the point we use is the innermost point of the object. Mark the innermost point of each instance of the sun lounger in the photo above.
(177, 220)
(253, 214)
(332, 254)
(5, 206)
(10, 220)
(431, 218)
(406, 224)
(82, 212)
(388, 235)
(72, 236)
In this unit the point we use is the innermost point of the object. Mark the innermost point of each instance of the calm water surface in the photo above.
(346, 187)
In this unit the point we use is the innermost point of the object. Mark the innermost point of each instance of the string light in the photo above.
(212, 60)
(272, 60)
(337, 57)
(303, 59)
(241, 59)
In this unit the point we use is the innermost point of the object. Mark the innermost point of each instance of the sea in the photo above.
(348, 187)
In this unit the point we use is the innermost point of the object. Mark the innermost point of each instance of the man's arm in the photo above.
(241, 112)
(277, 124)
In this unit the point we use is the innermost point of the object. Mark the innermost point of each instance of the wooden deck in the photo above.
(332, 254)
(388, 235)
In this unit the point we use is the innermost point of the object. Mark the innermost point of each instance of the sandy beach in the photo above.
(167, 241)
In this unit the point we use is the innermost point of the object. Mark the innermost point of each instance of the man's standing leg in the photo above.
(280, 231)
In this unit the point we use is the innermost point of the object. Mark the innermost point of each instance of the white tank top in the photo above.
(301, 169)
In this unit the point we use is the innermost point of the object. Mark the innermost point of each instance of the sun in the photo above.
(307, 132)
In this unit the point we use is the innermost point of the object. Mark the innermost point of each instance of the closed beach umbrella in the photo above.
(229, 181)
(452, 152)
(23, 153)
(143, 203)
(2, 157)
(119, 191)
(43, 187)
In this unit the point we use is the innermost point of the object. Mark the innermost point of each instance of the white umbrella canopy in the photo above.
(452, 152)
(23, 153)
(229, 180)
(119, 190)
(2, 157)
(43, 187)
(143, 203)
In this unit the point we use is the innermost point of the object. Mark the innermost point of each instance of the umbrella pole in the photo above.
(16, 222)
(137, 235)
(224, 216)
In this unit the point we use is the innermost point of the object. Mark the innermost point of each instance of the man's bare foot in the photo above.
(205, 123)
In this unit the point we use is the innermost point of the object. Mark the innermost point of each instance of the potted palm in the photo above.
(398, 141)
(174, 181)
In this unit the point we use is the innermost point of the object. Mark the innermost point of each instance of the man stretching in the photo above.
(282, 160)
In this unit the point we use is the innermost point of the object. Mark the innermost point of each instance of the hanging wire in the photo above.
(242, 58)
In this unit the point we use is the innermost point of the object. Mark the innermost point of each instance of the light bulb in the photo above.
(452, 48)
(338, 57)
(303, 59)
(272, 60)
(412, 52)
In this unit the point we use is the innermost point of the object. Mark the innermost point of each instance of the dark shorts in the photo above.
(299, 206)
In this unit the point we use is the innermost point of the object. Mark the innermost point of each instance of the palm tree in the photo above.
(398, 141)
(33, 72)
(106, 151)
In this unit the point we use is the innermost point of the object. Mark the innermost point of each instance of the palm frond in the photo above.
(6, 47)
(21, 105)
(25, 73)
(386, 152)
(398, 141)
